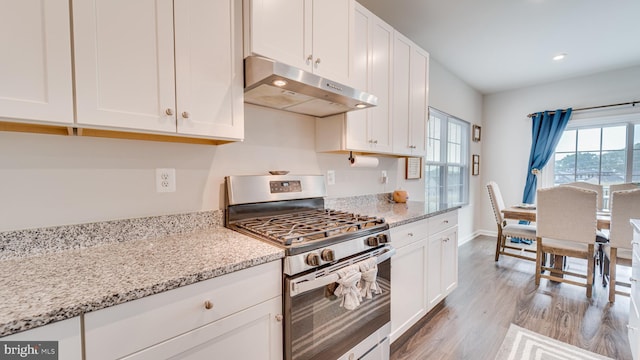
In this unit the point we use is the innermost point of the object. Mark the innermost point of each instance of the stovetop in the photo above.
(308, 226)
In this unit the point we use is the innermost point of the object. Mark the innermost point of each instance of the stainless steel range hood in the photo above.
(280, 86)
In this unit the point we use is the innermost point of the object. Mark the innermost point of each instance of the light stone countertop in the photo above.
(41, 289)
(53, 274)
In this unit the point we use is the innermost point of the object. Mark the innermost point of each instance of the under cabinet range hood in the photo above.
(276, 85)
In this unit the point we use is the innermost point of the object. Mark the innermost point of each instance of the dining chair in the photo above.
(618, 187)
(619, 249)
(509, 230)
(566, 227)
(589, 186)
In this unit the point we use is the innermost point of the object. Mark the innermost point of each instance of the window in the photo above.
(447, 161)
(599, 154)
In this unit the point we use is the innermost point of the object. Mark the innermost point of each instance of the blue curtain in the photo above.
(546, 132)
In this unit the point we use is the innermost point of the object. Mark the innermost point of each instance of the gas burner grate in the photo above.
(310, 225)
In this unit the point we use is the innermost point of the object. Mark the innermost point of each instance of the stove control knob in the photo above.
(313, 259)
(328, 255)
(372, 241)
(382, 238)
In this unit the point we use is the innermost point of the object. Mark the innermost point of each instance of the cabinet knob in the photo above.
(632, 279)
(185, 114)
(446, 221)
(169, 111)
(279, 317)
(309, 59)
(208, 305)
(317, 62)
(375, 141)
(445, 239)
(410, 234)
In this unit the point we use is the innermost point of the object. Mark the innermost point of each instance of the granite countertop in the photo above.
(56, 273)
(41, 289)
(395, 214)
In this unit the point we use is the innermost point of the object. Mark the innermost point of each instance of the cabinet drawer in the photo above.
(126, 328)
(442, 222)
(409, 233)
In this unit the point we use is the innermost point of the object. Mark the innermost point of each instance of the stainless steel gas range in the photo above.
(336, 271)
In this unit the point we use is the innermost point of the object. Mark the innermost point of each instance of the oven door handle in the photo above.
(306, 283)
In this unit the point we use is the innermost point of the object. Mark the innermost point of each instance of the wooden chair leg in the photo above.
(499, 243)
(612, 274)
(538, 260)
(590, 271)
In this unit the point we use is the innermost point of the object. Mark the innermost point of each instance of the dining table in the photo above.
(528, 213)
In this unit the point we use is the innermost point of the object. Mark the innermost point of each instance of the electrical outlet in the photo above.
(165, 180)
(383, 177)
(331, 177)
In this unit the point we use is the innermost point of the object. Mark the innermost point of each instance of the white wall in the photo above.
(506, 135)
(48, 180)
(450, 94)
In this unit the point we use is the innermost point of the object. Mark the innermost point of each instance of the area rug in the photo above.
(523, 344)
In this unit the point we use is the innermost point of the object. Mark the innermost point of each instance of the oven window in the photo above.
(318, 328)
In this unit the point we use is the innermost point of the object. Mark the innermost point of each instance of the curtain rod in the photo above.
(632, 103)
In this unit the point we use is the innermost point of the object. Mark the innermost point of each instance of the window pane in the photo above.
(614, 138)
(433, 186)
(455, 185)
(614, 167)
(589, 139)
(433, 139)
(588, 167)
(635, 173)
(567, 142)
(565, 168)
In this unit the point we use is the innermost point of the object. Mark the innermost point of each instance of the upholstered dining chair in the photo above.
(506, 230)
(589, 186)
(625, 206)
(618, 187)
(566, 227)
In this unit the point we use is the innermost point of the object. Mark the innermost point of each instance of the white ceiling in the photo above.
(498, 45)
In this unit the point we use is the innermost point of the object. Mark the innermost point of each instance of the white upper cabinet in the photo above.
(35, 66)
(135, 69)
(368, 130)
(309, 34)
(410, 97)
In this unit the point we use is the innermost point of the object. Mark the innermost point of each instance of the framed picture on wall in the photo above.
(475, 164)
(413, 168)
(476, 133)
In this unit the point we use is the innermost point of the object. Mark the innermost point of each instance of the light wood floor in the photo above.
(473, 320)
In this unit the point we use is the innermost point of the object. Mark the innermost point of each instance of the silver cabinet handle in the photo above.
(633, 279)
(317, 62)
(279, 317)
(185, 114)
(169, 111)
(309, 59)
(410, 234)
(208, 305)
(445, 239)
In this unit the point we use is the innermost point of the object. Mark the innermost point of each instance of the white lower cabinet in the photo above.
(235, 316)
(424, 270)
(65, 332)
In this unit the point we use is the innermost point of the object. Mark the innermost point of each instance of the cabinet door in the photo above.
(65, 332)
(381, 84)
(401, 94)
(449, 261)
(357, 122)
(35, 66)
(408, 276)
(331, 25)
(419, 101)
(209, 77)
(124, 64)
(434, 270)
(254, 333)
(280, 30)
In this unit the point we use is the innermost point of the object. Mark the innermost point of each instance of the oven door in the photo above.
(317, 327)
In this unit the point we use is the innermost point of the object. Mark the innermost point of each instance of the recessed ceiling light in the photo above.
(361, 106)
(279, 83)
(559, 57)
